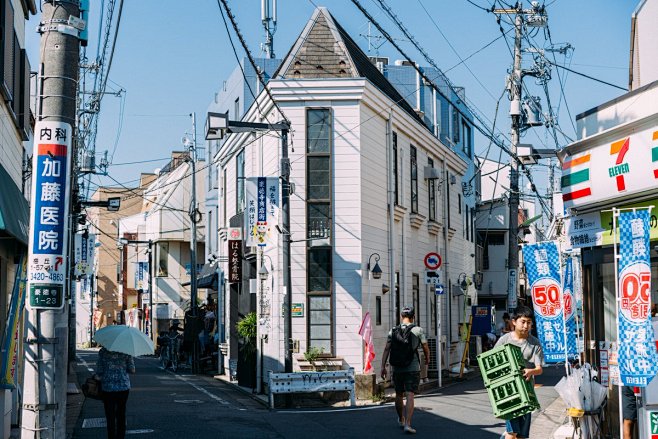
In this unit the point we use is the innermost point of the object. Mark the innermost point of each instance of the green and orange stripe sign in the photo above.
(576, 178)
(654, 153)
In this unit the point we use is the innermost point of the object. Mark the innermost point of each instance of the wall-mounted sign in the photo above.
(234, 261)
(622, 167)
(262, 211)
(297, 310)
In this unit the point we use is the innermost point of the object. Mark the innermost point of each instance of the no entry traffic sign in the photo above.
(432, 261)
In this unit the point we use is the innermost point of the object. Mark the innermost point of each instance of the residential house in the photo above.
(351, 131)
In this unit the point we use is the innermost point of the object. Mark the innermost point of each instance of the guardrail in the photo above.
(304, 382)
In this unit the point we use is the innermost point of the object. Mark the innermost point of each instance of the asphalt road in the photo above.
(167, 405)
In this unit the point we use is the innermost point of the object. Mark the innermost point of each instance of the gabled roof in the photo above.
(324, 50)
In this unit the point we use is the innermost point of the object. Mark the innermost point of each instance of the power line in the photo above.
(236, 29)
(586, 76)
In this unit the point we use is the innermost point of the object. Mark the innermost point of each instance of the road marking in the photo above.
(84, 363)
(188, 401)
(94, 423)
(201, 389)
(334, 410)
(140, 431)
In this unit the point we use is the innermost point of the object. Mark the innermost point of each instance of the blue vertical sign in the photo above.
(47, 261)
(570, 309)
(542, 263)
(262, 211)
(638, 359)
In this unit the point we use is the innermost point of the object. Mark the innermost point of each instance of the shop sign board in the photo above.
(262, 211)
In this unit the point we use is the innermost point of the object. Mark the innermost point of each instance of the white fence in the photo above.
(304, 382)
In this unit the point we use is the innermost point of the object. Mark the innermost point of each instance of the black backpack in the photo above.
(402, 346)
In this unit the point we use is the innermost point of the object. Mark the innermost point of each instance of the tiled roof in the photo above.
(324, 50)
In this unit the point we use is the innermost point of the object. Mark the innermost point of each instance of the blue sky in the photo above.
(172, 56)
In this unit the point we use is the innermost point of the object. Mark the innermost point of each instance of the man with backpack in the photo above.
(402, 353)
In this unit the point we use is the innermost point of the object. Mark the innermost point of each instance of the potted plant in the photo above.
(246, 329)
(312, 354)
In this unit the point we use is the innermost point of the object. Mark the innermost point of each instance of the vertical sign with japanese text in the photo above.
(47, 262)
(262, 210)
(570, 309)
(638, 359)
(234, 261)
(542, 263)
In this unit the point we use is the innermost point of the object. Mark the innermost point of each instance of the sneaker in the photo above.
(401, 423)
(409, 430)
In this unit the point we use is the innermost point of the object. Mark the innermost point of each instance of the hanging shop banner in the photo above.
(47, 262)
(85, 244)
(141, 276)
(10, 344)
(542, 263)
(578, 298)
(234, 261)
(262, 210)
(638, 359)
(570, 308)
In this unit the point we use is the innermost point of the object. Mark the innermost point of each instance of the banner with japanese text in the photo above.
(570, 307)
(10, 344)
(49, 211)
(542, 263)
(638, 359)
(262, 209)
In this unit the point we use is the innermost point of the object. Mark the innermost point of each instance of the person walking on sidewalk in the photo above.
(112, 368)
(402, 353)
(531, 349)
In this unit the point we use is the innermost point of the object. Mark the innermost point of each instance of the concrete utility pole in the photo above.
(534, 17)
(45, 369)
(515, 112)
(193, 220)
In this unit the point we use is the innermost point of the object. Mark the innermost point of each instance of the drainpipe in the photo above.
(403, 227)
(391, 217)
(446, 258)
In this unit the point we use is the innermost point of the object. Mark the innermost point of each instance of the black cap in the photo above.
(407, 311)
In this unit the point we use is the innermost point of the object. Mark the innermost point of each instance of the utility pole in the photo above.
(193, 221)
(45, 370)
(268, 18)
(534, 17)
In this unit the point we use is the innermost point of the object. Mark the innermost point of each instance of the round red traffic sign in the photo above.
(432, 261)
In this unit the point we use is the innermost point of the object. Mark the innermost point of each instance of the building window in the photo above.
(415, 294)
(491, 238)
(455, 125)
(163, 259)
(395, 168)
(378, 310)
(414, 178)
(318, 224)
(239, 182)
(447, 180)
(320, 319)
(466, 142)
(431, 191)
(236, 109)
(224, 192)
(459, 200)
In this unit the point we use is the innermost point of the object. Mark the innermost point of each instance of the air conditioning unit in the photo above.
(431, 173)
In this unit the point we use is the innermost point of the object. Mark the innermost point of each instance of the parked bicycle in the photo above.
(170, 351)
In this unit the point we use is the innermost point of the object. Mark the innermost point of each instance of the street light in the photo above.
(376, 270)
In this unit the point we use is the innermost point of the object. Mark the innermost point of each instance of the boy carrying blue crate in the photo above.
(532, 353)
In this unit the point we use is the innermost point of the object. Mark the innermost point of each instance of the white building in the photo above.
(351, 130)
(164, 221)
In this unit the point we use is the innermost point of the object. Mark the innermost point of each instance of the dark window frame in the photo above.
(413, 174)
(431, 193)
(395, 169)
(314, 151)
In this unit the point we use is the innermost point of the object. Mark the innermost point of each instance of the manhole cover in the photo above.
(94, 423)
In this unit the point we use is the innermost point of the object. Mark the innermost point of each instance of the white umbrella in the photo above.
(124, 339)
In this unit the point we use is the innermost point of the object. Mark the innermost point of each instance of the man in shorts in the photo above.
(406, 377)
(532, 353)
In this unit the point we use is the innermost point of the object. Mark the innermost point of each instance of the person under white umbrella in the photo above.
(115, 361)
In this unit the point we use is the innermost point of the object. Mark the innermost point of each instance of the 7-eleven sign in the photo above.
(619, 149)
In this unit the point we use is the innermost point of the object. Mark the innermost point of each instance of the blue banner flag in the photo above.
(542, 264)
(570, 309)
(638, 359)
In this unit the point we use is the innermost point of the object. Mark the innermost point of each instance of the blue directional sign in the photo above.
(438, 290)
